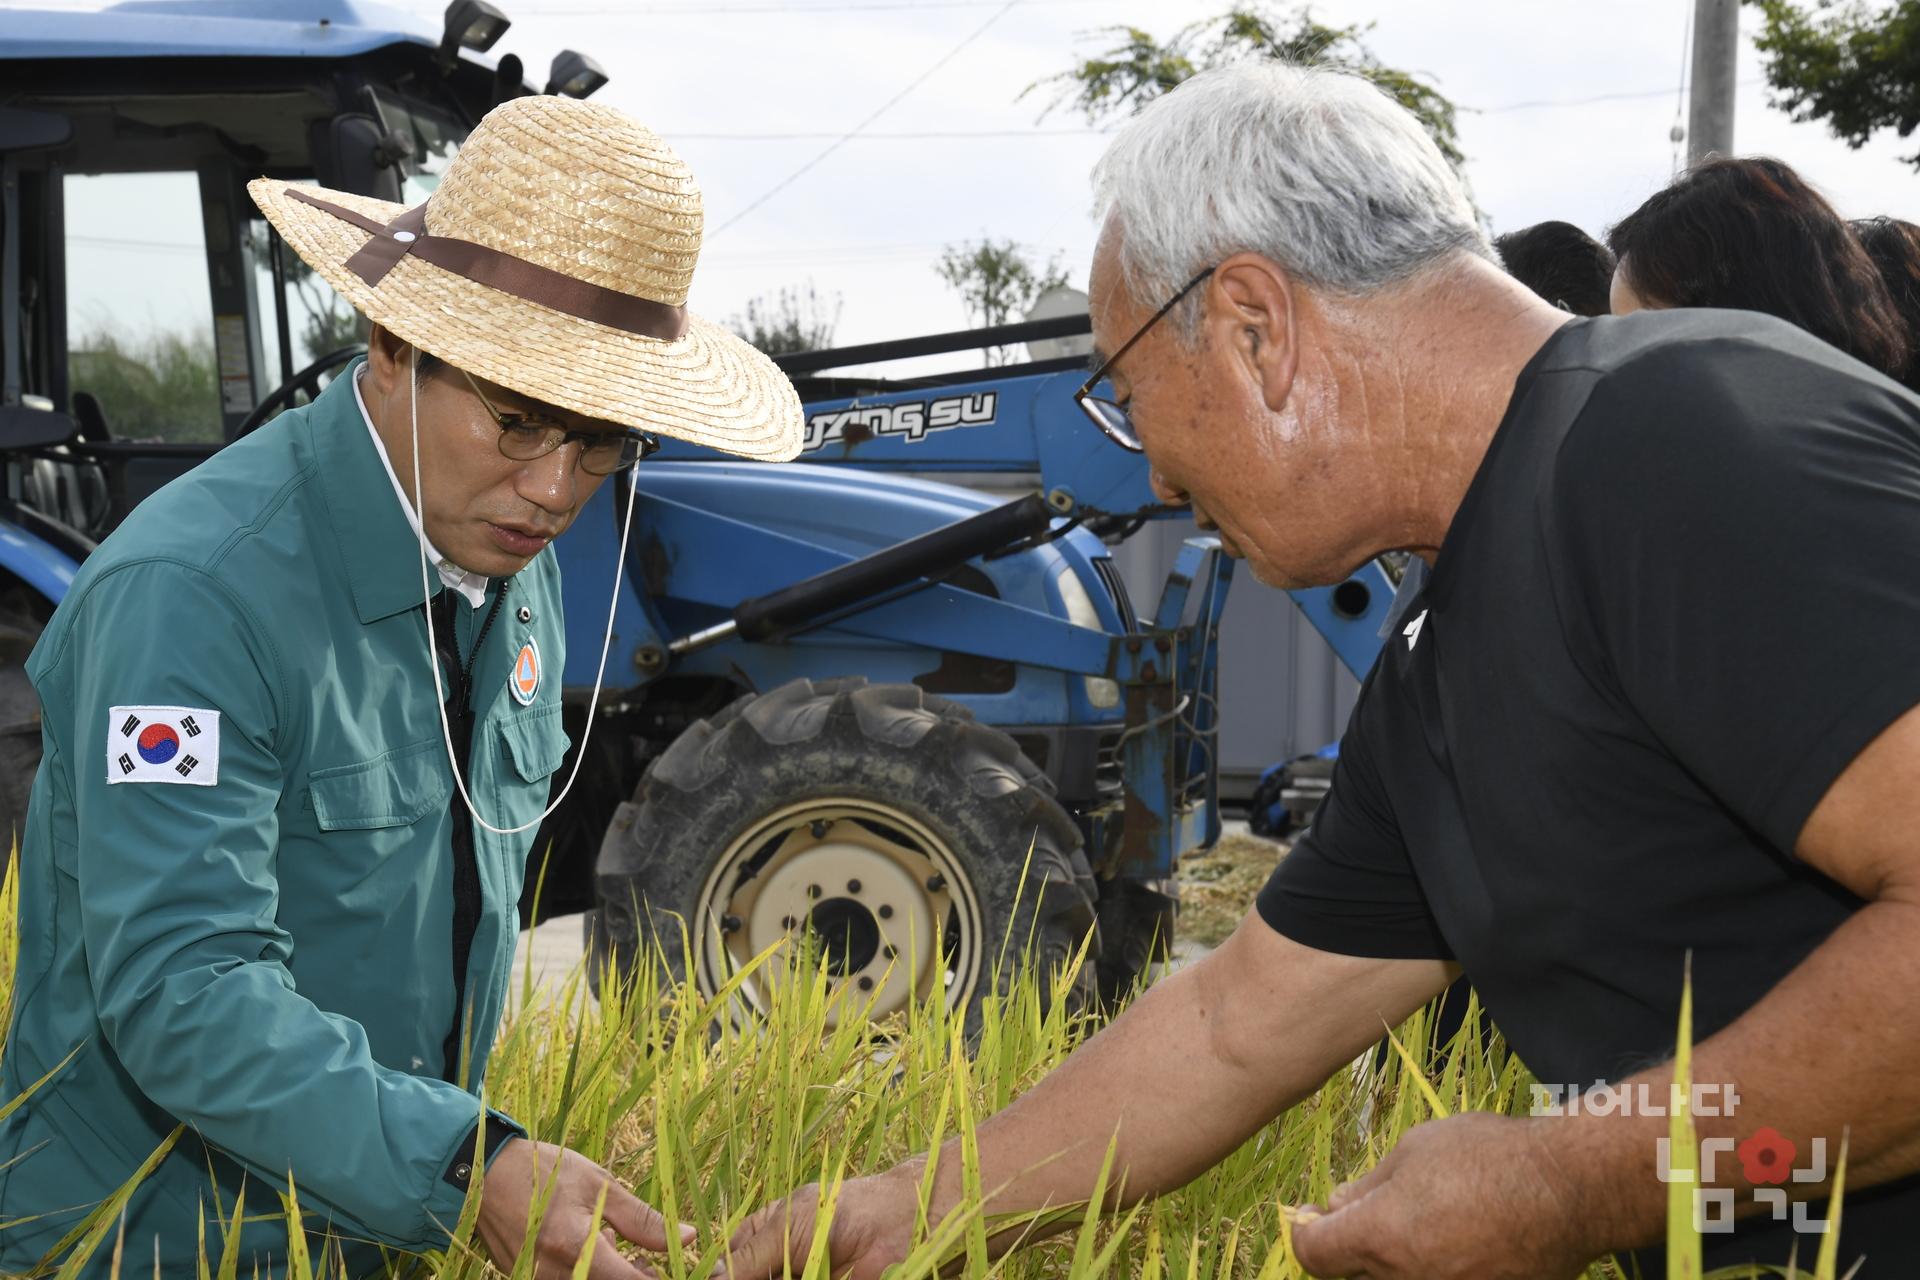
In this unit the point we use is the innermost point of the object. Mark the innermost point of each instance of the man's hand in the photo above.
(1474, 1195)
(513, 1184)
(872, 1229)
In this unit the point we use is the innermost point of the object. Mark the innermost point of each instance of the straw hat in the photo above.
(553, 259)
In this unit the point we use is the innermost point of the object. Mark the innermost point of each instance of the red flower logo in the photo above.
(1767, 1157)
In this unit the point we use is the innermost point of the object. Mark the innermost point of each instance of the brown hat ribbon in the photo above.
(407, 234)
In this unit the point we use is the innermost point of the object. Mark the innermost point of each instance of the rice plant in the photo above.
(708, 1120)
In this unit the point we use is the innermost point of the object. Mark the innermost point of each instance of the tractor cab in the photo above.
(143, 298)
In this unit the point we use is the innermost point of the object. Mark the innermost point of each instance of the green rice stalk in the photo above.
(1683, 1235)
(299, 1264)
(86, 1237)
(584, 1262)
(1826, 1263)
(13, 1103)
(1418, 1076)
(230, 1241)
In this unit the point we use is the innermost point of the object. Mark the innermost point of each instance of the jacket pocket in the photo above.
(535, 743)
(393, 790)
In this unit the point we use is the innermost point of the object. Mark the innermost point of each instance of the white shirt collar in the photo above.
(470, 585)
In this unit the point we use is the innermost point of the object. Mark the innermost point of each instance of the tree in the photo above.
(996, 282)
(793, 320)
(1139, 68)
(331, 321)
(161, 386)
(1856, 68)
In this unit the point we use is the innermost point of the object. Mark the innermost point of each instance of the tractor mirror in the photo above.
(508, 78)
(22, 130)
(29, 427)
(351, 152)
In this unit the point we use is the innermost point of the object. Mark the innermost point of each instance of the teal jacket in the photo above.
(238, 867)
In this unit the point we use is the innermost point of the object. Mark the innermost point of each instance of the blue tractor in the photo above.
(847, 697)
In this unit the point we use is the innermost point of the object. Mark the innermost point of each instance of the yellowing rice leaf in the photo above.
(1827, 1263)
(1683, 1234)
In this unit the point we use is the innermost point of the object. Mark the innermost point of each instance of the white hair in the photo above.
(1311, 167)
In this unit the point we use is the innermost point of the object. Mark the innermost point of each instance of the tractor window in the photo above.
(319, 321)
(435, 136)
(139, 309)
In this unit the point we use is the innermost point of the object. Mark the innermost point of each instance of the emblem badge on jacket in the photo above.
(524, 679)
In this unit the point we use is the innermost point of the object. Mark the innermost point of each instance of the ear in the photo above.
(1252, 317)
(386, 362)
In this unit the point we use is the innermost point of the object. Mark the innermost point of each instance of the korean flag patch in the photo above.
(163, 744)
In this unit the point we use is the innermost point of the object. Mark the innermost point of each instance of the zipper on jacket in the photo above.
(466, 866)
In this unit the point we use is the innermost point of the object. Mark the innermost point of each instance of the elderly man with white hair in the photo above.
(1597, 748)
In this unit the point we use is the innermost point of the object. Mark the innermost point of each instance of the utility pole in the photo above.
(1716, 53)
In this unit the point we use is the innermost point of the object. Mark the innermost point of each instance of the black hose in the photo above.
(928, 556)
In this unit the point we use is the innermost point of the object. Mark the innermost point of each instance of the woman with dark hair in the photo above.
(1894, 247)
(1749, 234)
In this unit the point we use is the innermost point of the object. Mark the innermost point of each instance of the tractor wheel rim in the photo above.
(890, 907)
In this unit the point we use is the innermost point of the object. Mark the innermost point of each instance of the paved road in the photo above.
(555, 948)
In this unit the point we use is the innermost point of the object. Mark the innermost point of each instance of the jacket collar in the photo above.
(376, 541)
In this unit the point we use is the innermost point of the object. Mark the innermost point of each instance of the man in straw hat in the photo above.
(268, 875)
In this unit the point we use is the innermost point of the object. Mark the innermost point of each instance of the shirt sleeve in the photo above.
(1738, 538)
(1348, 886)
(178, 904)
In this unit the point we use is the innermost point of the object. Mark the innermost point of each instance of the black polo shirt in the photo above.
(1682, 593)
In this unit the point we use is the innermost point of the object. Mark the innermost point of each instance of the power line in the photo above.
(839, 255)
(868, 6)
(118, 242)
(944, 134)
(1579, 102)
(884, 107)
(677, 136)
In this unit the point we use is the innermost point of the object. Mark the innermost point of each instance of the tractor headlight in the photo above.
(1078, 601)
(472, 24)
(575, 74)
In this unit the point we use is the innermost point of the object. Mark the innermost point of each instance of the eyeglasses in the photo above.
(524, 438)
(1111, 416)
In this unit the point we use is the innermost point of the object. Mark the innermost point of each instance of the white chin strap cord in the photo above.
(433, 651)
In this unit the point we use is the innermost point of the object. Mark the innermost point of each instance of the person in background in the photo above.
(1561, 263)
(1569, 268)
(1894, 247)
(1747, 233)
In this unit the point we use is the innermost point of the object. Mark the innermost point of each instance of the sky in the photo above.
(750, 91)
(1564, 114)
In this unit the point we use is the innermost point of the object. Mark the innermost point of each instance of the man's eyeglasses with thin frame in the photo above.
(524, 438)
(1111, 416)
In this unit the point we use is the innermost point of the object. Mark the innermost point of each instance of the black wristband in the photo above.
(460, 1172)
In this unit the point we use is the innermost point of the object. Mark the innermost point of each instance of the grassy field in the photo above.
(707, 1122)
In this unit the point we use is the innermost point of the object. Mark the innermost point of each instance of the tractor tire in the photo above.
(921, 849)
(1136, 933)
(20, 627)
